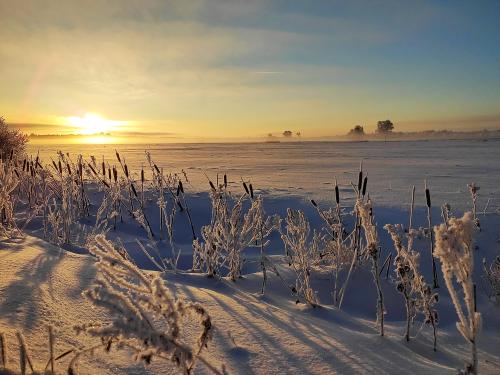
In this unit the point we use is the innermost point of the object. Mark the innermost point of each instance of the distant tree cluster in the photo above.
(383, 127)
(358, 130)
(11, 140)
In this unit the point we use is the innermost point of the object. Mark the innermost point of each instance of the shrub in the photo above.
(455, 251)
(143, 315)
(11, 140)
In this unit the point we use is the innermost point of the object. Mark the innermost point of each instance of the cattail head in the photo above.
(118, 157)
(92, 169)
(142, 175)
(212, 185)
(60, 167)
(313, 202)
(115, 174)
(337, 193)
(69, 168)
(225, 180)
(246, 188)
(360, 180)
(427, 196)
(365, 182)
(251, 191)
(133, 190)
(126, 170)
(103, 169)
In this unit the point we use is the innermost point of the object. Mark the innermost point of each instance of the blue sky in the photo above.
(247, 68)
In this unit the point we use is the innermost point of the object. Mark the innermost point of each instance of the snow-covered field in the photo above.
(41, 284)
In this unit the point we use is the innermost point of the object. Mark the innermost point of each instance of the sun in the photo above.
(91, 123)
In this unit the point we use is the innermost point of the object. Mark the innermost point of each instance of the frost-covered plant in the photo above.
(232, 229)
(473, 189)
(11, 140)
(364, 211)
(143, 315)
(302, 252)
(492, 273)
(418, 295)
(337, 247)
(8, 183)
(455, 251)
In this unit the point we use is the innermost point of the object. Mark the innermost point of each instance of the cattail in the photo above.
(365, 182)
(475, 297)
(109, 174)
(118, 157)
(115, 174)
(246, 188)
(24, 164)
(80, 169)
(12, 155)
(337, 193)
(142, 175)
(69, 169)
(212, 185)
(3, 350)
(360, 180)
(313, 202)
(157, 169)
(225, 180)
(17, 173)
(60, 167)
(23, 354)
(431, 238)
(93, 170)
(133, 190)
(251, 191)
(428, 197)
(103, 168)
(51, 349)
(53, 163)
(181, 186)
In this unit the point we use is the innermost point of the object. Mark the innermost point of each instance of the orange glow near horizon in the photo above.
(92, 123)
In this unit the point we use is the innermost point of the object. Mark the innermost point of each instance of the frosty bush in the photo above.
(454, 249)
(364, 211)
(336, 246)
(144, 316)
(8, 183)
(492, 273)
(418, 295)
(301, 252)
(11, 141)
(230, 232)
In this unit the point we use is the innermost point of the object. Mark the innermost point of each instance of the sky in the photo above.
(209, 69)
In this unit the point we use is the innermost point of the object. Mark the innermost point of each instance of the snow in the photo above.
(42, 284)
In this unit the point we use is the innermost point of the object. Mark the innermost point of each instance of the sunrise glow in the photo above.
(92, 123)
